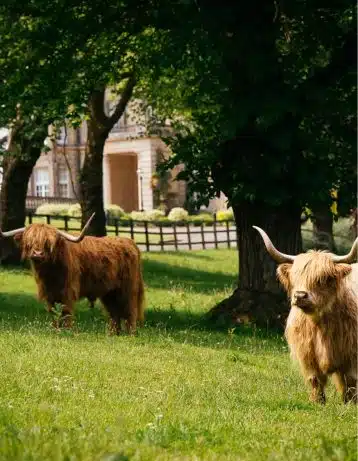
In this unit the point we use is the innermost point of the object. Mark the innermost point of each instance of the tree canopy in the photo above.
(269, 90)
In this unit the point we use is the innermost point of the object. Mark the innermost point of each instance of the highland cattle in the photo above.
(67, 268)
(321, 328)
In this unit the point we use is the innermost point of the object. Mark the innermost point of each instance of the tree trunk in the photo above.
(322, 220)
(91, 178)
(18, 166)
(259, 298)
(91, 181)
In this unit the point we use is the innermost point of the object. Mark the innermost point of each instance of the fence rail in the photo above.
(151, 236)
(166, 236)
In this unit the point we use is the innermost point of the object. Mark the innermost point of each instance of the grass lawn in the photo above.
(177, 391)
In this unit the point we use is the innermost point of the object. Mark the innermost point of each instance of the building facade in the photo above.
(129, 166)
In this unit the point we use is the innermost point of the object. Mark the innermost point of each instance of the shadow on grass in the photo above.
(22, 312)
(163, 276)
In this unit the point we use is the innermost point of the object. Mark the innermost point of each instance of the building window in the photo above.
(42, 182)
(61, 135)
(63, 182)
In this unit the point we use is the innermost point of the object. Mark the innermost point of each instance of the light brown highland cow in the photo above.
(321, 328)
(68, 268)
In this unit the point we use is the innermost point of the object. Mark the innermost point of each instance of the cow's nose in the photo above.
(301, 295)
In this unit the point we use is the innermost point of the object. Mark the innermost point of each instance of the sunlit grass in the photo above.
(179, 390)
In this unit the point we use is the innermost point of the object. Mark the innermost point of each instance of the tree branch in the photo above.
(122, 103)
(96, 107)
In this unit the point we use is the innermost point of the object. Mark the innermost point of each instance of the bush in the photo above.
(164, 221)
(53, 209)
(154, 215)
(138, 216)
(202, 218)
(225, 215)
(178, 214)
(114, 211)
(75, 210)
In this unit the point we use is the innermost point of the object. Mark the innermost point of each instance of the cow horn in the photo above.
(273, 252)
(12, 232)
(348, 258)
(78, 238)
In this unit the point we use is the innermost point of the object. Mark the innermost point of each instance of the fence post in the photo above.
(131, 225)
(116, 230)
(175, 236)
(189, 236)
(66, 223)
(161, 236)
(30, 217)
(228, 234)
(215, 233)
(146, 235)
(202, 236)
(48, 219)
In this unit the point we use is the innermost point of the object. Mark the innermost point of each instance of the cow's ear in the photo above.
(283, 274)
(342, 270)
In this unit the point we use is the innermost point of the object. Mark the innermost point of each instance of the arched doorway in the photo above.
(123, 180)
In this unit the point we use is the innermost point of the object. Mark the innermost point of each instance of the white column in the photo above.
(145, 166)
(106, 181)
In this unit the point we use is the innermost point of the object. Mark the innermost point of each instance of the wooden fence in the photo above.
(154, 236)
(167, 236)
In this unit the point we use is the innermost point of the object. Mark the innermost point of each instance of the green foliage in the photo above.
(75, 210)
(178, 214)
(201, 218)
(225, 215)
(54, 209)
(114, 211)
(178, 390)
(154, 215)
(138, 216)
(270, 118)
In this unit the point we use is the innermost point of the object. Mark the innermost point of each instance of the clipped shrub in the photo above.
(114, 211)
(154, 215)
(138, 216)
(164, 221)
(225, 215)
(202, 218)
(75, 210)
(53, 209)
(178, 214)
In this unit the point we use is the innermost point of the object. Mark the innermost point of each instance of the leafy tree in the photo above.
(59, 58)
(269, 92)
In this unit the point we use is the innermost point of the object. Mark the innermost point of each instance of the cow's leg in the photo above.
(128, 304)
(317, 383)
(110, 302)
(346, 385)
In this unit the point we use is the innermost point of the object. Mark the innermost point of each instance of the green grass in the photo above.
(178, 391)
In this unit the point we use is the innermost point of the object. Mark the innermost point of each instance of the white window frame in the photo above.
(64, 181)
(42, 184)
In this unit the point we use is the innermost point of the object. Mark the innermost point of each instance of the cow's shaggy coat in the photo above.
(321, 328)
(95, 267)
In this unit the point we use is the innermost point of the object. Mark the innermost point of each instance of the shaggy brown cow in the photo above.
(321, 328)
(68, 268)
